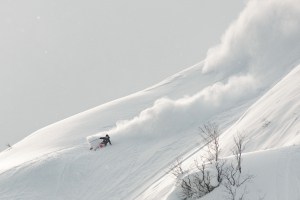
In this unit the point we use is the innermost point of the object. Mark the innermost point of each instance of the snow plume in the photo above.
(170, 117)
(265, 38)
(255, 52)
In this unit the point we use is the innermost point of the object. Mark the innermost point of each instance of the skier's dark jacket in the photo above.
(106, 140)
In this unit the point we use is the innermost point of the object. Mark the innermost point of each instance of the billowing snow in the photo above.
(266, 127)
(249, 83)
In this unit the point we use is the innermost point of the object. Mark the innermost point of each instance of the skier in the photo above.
(103, 143)
(105, 140)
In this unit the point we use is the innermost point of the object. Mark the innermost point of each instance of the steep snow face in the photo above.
(256, 51)
(261, 45)
(274, 120)
(72, 132)
(270, 123)
(275, 176)
(59, 154)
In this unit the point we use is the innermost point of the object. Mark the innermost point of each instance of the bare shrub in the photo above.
(210, 169)
(234, 182)
(200, 183)
(187, 188)
(176, 168)
(197, 185)
(213, 171)
(219, 166)
(239, 147)
(204, 179)
(210, 134)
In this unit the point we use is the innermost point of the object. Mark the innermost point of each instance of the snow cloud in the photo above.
(266, 34)
(260, 47)
(167, 117)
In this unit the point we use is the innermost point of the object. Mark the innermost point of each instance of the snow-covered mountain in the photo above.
(248, 83)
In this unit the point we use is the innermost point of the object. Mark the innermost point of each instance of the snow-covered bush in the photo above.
(210, 169)
(212, 172)
(235, 183)
(177, 170)
(198, 184)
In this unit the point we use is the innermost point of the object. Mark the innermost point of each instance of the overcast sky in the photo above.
(62, 57)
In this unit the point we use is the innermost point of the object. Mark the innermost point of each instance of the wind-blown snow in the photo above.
(149, 129)
(251, 57)
(167, 116)
(263, 40)
(270, 123)
(273, 121)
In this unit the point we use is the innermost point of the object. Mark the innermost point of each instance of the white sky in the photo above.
(62, 57)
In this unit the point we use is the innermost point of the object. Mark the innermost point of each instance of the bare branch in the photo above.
(210, 134)
(239, 147)
(176, 168)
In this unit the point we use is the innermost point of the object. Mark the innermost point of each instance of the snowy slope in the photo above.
(59, 153)
(274, 120)
(149, 129)
(275, 171)
(270, 123)
(276, 175)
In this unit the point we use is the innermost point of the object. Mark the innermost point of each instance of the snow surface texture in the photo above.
(151, 128)
(266, 127)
